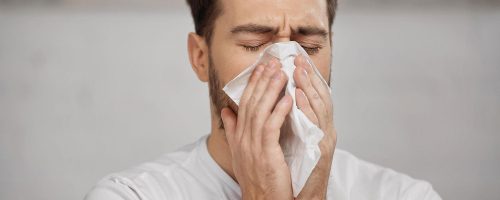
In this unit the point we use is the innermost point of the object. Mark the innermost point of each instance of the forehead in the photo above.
(279, 13)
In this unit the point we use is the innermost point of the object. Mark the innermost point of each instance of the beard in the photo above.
(218, 97)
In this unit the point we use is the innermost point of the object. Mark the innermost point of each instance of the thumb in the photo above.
(229, 119)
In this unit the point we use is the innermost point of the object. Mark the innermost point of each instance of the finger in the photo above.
(263, 81)
(267, 103)
(316, 80)
(242, 107)
(270, 95)
(303, 82)
(229, 120)
(304, 106)
(259, 89)
(256, 74)
(276, 119)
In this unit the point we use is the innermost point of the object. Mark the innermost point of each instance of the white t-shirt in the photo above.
(191, 173)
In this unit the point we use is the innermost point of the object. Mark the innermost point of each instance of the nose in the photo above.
(284, 34)
(281, 38)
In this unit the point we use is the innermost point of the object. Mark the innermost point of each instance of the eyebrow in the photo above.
(263, 29)
(254, 28)
(312, 30)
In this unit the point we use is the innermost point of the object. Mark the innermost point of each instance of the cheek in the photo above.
(323, 64)
(232, 61)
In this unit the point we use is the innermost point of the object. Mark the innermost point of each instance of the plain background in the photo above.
(92, 87)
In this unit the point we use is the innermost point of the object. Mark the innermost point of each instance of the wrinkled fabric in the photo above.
(190, 173)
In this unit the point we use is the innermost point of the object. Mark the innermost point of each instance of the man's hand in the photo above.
(253, 136)
(313, 98)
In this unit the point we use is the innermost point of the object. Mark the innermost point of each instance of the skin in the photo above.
(247, 148)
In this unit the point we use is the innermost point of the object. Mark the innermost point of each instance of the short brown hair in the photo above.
(205, 12)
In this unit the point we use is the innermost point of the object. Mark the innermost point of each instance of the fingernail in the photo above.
(304, 72)
(301, 93)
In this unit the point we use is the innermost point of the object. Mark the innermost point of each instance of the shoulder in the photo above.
(158, 179)
(357, 179)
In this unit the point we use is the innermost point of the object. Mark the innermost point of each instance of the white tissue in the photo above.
(300, 147)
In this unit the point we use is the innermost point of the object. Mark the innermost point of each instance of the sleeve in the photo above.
(420, 190)
(108, 189)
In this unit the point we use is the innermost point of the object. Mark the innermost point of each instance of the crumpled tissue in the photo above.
(300, 145)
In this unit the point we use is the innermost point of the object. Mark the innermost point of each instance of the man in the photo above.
(241, 158)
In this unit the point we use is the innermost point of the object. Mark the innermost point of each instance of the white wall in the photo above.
(85, 92)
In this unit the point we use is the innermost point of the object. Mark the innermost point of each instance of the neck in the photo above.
(218, 147)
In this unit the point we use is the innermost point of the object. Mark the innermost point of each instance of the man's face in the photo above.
(245, 28)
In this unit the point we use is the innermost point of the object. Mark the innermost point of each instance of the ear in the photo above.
(198, 56)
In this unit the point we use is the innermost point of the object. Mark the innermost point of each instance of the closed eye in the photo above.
(252, 48)
(311, 50)
(308, 49)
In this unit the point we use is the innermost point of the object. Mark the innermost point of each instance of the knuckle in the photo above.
(243, 102)
(273, 85)
(268, 74)
(243, 147)
(237, 142)
(255, 122)
(330, 109)
(256, 156)
(264, 161)
(316, 96)
(326, 115)
(257, 112)
(320, 106)
(268, 127)
(251, 101)
(256, 71)
(309, 86)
